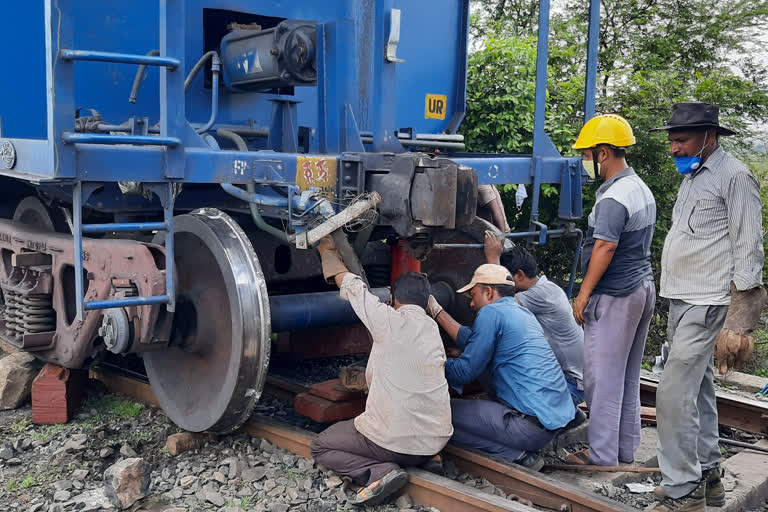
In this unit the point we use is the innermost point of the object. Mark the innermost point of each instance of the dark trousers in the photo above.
(494, 428)
(341, 448)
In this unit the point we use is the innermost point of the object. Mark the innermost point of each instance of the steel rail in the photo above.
(733, 411)
(542, 490)
(425, 488)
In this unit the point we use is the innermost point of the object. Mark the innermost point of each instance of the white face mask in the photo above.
(591, 168)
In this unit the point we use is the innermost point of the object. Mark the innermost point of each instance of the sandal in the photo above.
(580, 458)
(390, 484)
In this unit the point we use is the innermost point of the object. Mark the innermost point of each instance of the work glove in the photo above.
(735, 345)
(331, 261)
(353, 378)
(433, 307)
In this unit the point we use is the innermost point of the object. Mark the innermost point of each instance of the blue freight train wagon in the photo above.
(166, 167)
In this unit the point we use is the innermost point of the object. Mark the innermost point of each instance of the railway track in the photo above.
(425, 488)
(733, 411)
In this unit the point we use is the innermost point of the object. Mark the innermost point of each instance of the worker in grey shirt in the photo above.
(712, 258)
(617, 296)
(549, 304)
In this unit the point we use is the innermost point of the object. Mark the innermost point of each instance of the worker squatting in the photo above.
(537, 356)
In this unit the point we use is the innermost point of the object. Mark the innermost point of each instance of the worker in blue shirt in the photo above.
(531, 403)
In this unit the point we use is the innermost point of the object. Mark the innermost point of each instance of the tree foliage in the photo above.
(652, 54)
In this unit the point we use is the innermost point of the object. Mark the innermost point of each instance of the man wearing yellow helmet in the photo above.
(616, 299)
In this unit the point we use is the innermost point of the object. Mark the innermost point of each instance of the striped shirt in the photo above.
(624, 214)
(716, 235)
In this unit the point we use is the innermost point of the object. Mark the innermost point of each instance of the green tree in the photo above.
(652, 54)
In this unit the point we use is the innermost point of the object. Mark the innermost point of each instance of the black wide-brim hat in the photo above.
(695, 115)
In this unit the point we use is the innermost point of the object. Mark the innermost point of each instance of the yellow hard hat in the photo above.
(606, 129)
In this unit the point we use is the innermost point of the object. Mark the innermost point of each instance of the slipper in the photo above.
(580, 458)
(390, 484)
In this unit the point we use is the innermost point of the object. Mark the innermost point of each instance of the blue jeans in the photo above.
(577, 395)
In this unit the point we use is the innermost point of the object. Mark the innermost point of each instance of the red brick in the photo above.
(56, 394)
(183, 441)
(325, 411)
(333, 390)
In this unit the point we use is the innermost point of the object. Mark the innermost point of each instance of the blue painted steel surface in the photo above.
(592, 44)
(420, 85)
(22, 89)
(124, 226)
(316, 310)
(119, 58)
(139, 140)
(126, 303)
(429, 34)
(358, 90)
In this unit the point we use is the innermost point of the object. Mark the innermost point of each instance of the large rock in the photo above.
(127, 481)
(17, 371)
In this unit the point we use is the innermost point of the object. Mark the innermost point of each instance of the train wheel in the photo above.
(32, 212)
(456, 266)
(213, 375)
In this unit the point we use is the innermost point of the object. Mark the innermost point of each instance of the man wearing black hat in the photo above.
(711, 270)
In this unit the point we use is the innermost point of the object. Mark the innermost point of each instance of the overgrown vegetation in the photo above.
(653, 53)
(20, 426)
(33, 479)
(120, 407)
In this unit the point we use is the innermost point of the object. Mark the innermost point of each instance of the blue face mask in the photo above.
(687, 164)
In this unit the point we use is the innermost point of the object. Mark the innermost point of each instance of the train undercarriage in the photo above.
(236, 286)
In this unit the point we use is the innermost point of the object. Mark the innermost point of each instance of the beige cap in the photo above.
(489, 274)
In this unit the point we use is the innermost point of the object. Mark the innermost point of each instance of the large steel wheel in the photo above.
(213, 375)
(456, 266)
(32, 212)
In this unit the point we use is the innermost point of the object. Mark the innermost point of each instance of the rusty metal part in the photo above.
(423, 487)
(283, 388)
(213, 374)
(123, 385)
(742, 444)
(427, 488)
(540, 489)
(733, 411)
(36, 289)
(589, 468)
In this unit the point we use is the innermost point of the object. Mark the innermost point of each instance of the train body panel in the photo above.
(432, 45)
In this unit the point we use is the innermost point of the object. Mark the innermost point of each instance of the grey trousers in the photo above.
(614, 339)
(494, 428)
(341, 448)
(686, 409)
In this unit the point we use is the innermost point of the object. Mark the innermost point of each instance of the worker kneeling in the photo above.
(407, 418)
(531, 402)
